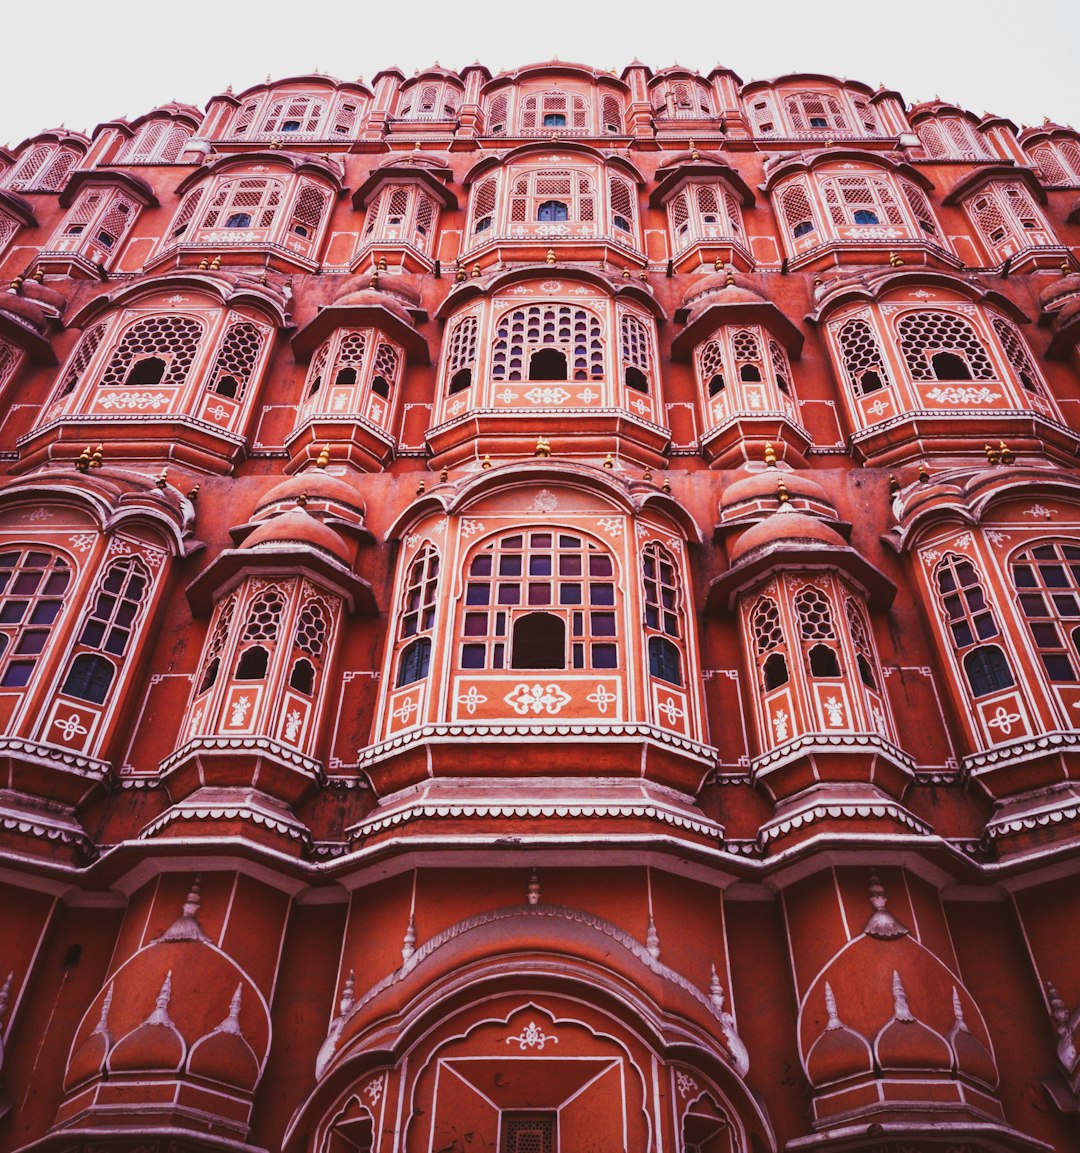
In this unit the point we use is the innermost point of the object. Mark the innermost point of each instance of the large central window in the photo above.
(540, 600)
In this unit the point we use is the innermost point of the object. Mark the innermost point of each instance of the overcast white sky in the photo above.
(80, 62)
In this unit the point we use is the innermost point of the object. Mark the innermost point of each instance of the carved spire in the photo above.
(101, 1029)
(160, 1015)
(231, 1024)
(532, 893)
(834, 1021)
(652, 941)
(408, 945)
(716, 991)
(347, 1000)
(900, 1006)
(186, 927)
(882, 923)
(959, 1024)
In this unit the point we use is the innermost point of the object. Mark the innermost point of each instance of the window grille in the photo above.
(933, 140)
(781, 368)
(611, 111)
(747, 353)
(635, 347)
(763, 116)
(312, 628)
(1046, 578)
(311, 202)
(187, 212)
(867, 115)
(10, 356)
(920, 208)
(497, 115)
(461, 354)
(115, 222)
(528, 1134)
(702, 211)
(346, 117)
(1049, 164)
(171, 339)
(386, 364)
(861, 643)
(264, 616)
(816, 112)
(538, 107)
(1069, 152)
(27, 167)
(402, 213)
(1007, 218)
(418, 617)
(559, 575)
(84, 353)
(1016, 353)
(8, 227)
(158, 140)
(241, 125)
(765, 626)
(925, 337)
(863, 362)
(711, 363)
(795, 210)
(663, 611)
(236, 360)
(966, 145)
(484, 205)
(212, 657)
(257, 200)
(55, 173)
(33, 584)
(534, 192)
(295, 114)
(103, 217)
(622, 197)
(970, 623)
(815, 614)
(577, 332)
(861, 200)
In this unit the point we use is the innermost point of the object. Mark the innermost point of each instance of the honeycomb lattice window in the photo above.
(264, 616)
(702, 212)
(33, 583)
(577, 333)
(863, 362)
(554, 110)
(8, 227)
(1049, 164)
(1017, 354)
(861, 643)
(636, 351)
(949, 138)
(781, 368)
(815, 614)
(236, 361)
(296, 113)
(528, 1133)
(816, 112)
(84, 353)
(1046, 578)
(562, 578)
(386, 364)
(312, 628)
(747, 350)
(171, 341)
(497, 113)
(711, 366)
(765, 626)
(611, 114)
(942, 346)
(795, 210)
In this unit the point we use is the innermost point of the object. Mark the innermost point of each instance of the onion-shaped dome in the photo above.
(299, 529)
(725, 287)
(904, 1042)
(788, 529)
(1053, 294)
(839, 1051)
(322, 492)
(224, 1054)
(155, 1045)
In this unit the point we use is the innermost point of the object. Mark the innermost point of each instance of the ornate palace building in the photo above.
(540, 613)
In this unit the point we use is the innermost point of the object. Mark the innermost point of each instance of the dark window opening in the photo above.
(253, 664)
(149, 370)
(345, 376)
(870, 381)
(823, 662)
(76, 230)
(290, 126)
(802, 228)
(664, 660)
(227, 386)
(750, 373)
(775, 671)
(716, 384)
(818, 122)
(415, 660)
(621, 223)
(380, 386)
(316, 384)
(866, 672)
(987, 670)
(539, 642)
(1027, 382)
(299, 230)
(553, 210)
(865, 216)
(461, 380)
(239, 220)
(949, 366)
(106, 240)
(89, 678)
(637, 380)
(211, 675)
(548, 364)
(483, 224)
(302, 677)
(554, 120)
(782, 384)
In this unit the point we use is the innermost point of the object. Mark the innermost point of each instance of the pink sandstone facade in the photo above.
(540, 613)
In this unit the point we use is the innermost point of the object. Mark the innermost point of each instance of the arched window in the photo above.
(10, 358)
(860, 642)
(920, 209)
(483, 205)
(297, 113)
(611, 114)
(108, 628)
(32, 587)
(936, 343)
(1047, 582)
(497, 114)
(353, 363)
(538, 642)
(43, 168)
(663, 613)
(262, 625)
(863, 362)
(552, 210)
(814, 611)
(547, 364)
(461, 355)
(623, 203)
(1058, 161)
(212, 656)
(245, 116)
(1008, 219)
(558, 195)
(704, 212)
(172, 341)
(309, 639)
(970, 622)
(402, 214)
(236, 361)
(78, 364)
(546, 573)
(795, 210)
(950, 137)
(253, 664)
(1017, 354)
(635, 348)
(554, 109)
(577, 333)
(418, 617)
(769, 646)
(102, 216)
(156, 142)
(816, 112)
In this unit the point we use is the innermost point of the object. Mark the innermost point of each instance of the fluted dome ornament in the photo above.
(186, 927)
(882, 923)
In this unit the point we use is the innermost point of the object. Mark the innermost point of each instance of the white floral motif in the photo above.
(670, 710)
(878, 407)
(964, 541)
(412, 540)
(537, 699)
(506, 396)
(544, 501)
(292, 725)
(176, 298)
(439, 527)
(638, 405)
(40, 514)
(930, 555)
(641, 529)
(835, 709)
(240, 709)
(340, 401)
(471, 698)
(374, 1089)
(1003, 720)
(878, 718)
(82, 541)
(469, 528)
(405, 711)
(969, 395)
(996, 537)
(685, 1083)
(587, 395)
(455, 407)
(780, 724)
(196, 720)
(1039, 511)
(922, 294)
(612, 525)
(602, 698)
(552, 286)
(218, 412)
(547, 395)
(878, 232)
(71, 728)
(119, 546)
(138, 400)
(532, 1037)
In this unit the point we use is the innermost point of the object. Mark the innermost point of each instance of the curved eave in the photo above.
(790, 556)
(436, 74)
(470, 289)
(999, 170)
(227, 566)
(717, 313)
(555, 68)
(808, 78)
(434, 180)
(135, 185)
(308, 164)
(499, 160)
(56, 136)
(18, 207)
(314, 78)
(334, 317)
(929, 109)
(808, 161)
(37, 347)
(673, 175)
(1045, 132)
(629, 496)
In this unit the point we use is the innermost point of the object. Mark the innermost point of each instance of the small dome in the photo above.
(719, 288)
(792, 528)
(373, 298)
(761, 485)
(317, 485)
(298, 528)
(1066, 286)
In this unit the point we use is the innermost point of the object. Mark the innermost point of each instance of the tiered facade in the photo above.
(540, 613)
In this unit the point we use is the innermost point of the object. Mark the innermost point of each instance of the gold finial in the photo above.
(543, 447)
(770, 454)
(215, 264)
(894, 486)
(301, 500)
(1007, 454)
(694, 154)
(643, 276)
(647, 474)
(374, 281)
(665, 485)
(17, 283)
(382, 263)
(204, 264)
(895, 260)
(421, 488)
(992, 454)
(97, 456)
(626, 274)
(729, 280)
(486, 462)
(193, 496)
(39, 274)
(924, 476)
(444, 476)
(162, 478)
(82, 462)
(817, 281)
(782, 494)
(461, 276)
(718, 264)
(1064, 268)
(550, 258)
(323, 459)
(476, 271)
(609, 461)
